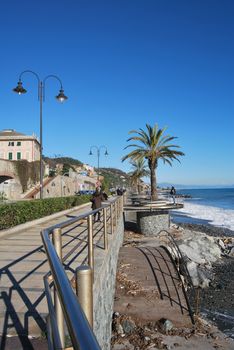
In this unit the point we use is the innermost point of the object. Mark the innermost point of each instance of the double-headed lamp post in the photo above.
(98, 149)
(41, 97)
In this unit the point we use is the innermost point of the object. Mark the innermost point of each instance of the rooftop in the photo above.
(10, 132)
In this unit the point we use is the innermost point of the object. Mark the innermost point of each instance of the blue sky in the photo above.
(125, 63)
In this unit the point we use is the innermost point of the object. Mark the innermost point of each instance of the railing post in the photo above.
(57, 241)
(117, 208)
(49, 332)
(116, 219)
(105, 229)
(111, 218)
(90, 241)
(84, 291)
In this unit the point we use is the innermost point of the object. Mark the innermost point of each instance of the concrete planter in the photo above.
(150, 223)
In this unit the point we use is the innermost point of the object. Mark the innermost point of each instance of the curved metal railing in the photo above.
(178, 256)
(181, 266)
(65, 304)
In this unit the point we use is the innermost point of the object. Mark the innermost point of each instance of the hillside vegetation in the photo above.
(62, 160)
(114, 177)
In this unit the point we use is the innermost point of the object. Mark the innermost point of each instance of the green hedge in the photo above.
(23, 211)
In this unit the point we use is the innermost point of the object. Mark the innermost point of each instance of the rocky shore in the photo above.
(217, 300)
(208, 229)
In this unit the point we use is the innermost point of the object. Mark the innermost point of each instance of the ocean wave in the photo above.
(216, 216)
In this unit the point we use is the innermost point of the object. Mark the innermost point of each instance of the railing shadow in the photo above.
(167, 277)
(17, 322)
(12, 315)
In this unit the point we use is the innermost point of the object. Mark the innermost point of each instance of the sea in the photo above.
(206, 206)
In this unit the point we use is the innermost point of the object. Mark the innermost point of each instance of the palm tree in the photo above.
(139, 171)
(153, 145)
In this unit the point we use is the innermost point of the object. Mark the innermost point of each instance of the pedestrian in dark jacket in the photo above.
(173, 194)
(119, 192)
(96, 200)
(105, 195)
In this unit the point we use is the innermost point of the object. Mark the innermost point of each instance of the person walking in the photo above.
(173, 193)
(96, 200)
(119, 191)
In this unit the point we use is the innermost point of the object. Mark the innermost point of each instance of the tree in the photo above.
(153, 145)
(66, 168)
(139, 171)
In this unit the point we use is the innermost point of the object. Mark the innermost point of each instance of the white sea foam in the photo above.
(215, 216)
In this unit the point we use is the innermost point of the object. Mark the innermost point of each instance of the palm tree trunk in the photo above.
(139, 187)
(153, 182)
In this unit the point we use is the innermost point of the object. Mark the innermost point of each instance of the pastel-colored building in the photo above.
(16, 146)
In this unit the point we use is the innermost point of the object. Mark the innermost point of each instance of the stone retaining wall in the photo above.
(104, 287)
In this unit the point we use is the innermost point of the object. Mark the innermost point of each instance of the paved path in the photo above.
(152, 286)
(143, 274)
(22, 267)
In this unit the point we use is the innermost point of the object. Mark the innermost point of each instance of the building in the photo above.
(17, 146)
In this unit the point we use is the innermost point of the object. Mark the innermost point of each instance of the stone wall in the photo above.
(150, 223)
(62, 186)
(104, 287)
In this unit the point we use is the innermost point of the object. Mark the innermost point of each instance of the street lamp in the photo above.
(19, 89)
(98, 149)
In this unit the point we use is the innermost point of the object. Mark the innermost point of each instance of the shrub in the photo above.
(18, 213)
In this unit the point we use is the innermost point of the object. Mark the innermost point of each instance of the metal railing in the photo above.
(181, 266)
(75, 307)
(177, 256)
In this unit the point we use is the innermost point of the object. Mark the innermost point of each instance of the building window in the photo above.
(10, 143)
(18, 143)
(18, 155)
(10, 156)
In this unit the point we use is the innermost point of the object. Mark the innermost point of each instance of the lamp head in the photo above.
(90, 153)
(19, 89)
(61, 97)
(106, 153)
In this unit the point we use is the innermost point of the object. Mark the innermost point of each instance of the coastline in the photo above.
(205, 243)
(217, 301)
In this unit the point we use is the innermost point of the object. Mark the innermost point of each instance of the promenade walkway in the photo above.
(22, 267)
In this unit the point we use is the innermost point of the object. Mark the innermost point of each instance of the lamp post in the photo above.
(98, 149)
(19, 89)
